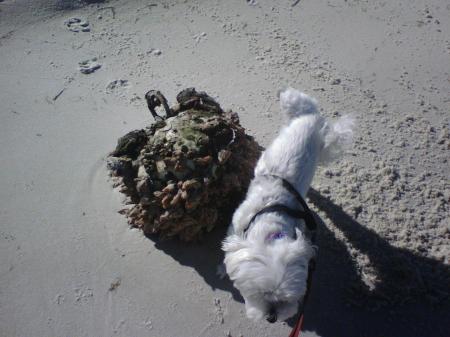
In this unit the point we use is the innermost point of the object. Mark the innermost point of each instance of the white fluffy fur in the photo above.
(272, 273)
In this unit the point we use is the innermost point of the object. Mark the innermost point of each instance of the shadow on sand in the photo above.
(204, 257)
(408, 298)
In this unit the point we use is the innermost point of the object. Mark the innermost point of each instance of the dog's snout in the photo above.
(271, 317)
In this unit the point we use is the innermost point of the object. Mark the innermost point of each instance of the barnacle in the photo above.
(187, 172)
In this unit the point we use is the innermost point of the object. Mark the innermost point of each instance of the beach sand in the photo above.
(71, 266)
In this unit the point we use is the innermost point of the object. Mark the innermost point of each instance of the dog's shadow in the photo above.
(409, 296)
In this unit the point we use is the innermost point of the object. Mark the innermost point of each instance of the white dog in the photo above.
(269, 243)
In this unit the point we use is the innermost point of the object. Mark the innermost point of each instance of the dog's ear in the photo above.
(303, 245)
(237, 256)
(233, 243)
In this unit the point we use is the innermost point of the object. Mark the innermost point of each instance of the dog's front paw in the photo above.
(221, 271)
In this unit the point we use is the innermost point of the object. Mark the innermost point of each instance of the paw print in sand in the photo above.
(77, 25)
(89, 66)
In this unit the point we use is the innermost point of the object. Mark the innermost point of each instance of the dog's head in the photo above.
(270, 269)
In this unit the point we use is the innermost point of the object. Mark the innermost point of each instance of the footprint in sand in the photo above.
(199, 37)
(89, 66)
(77, 25)
(116, 85)
(118, 88)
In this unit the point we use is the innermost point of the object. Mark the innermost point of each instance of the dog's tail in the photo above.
(295, 103)
(337, 137)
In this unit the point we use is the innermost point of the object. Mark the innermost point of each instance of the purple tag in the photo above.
(276, 236)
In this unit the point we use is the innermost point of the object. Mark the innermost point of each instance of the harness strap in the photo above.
(295, 213)
(307, 215)
(304, 214)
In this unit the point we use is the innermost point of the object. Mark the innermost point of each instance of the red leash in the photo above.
(297, 328)
(299, 325)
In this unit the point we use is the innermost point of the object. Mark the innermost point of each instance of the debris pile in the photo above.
(186, 173)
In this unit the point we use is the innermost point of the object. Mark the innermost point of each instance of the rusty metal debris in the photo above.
(184, 174)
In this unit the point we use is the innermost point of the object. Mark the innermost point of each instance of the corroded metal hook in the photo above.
(154, 99)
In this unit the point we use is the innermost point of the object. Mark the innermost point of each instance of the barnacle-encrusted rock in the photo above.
(185, 173)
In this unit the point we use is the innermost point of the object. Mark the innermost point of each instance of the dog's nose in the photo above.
(271, 317)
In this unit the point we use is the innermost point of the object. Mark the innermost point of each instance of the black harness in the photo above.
(304, 213)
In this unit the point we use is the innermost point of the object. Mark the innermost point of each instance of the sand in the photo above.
(71, 266)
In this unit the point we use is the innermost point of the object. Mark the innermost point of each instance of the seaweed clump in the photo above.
(187, 172)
